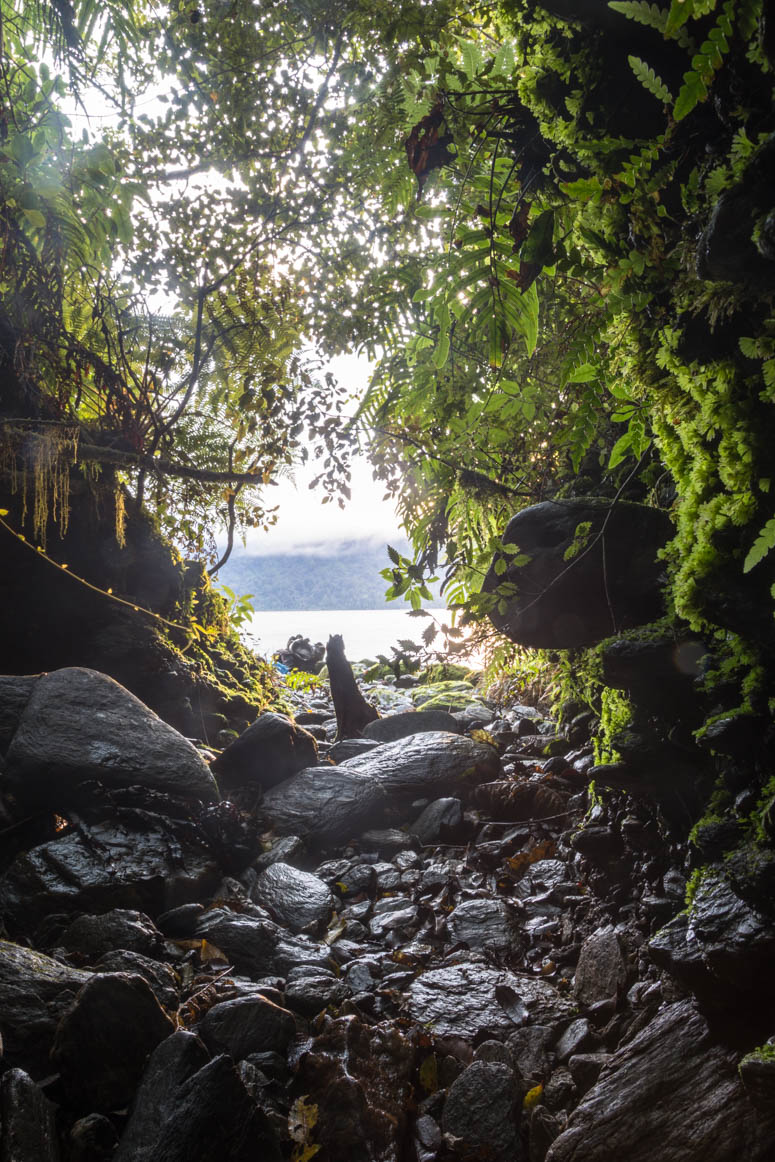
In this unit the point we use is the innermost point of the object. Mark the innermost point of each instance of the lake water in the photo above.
(366, 632)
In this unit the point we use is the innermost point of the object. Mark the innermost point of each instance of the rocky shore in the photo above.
(433, 943)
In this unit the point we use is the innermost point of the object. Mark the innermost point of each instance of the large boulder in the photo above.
(269, 751)
(80, 725)
(585, 569)
(397, 726)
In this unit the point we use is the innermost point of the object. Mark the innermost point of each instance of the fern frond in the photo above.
(764, 544)
(650, 81)
(644, 13)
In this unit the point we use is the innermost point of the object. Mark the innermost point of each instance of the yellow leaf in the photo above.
(429, 1074)
(532, 1097)
(302, 1119)
(4, 512)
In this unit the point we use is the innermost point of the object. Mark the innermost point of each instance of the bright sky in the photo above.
(305, 524)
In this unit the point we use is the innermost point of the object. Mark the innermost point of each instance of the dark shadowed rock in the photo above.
(361, 1077)
(210, 1116)
(601, 971)
(351, 748)
(269, 751)
(15, 693)
(161, 977)
(672, 1093)
(565, 598)
(35, 992)
(308, 990)
(397, 726)
(103, 1042)
(440, 822)
(296, 899)
(481, 1114)
(28, 1131)
(172, 1063)
(80, 725)
(137, 860)
(92, 1138)
(433, 761)
(247, 1025)
(92, 936)
(258, 947)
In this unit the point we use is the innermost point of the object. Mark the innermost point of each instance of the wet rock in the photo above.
(308, 991)
(673, 1086)
(597, 842)
(601, 971)
(481, 1114)
(296, 899)
(332, 805)
(440, 822)
(530, 1050)
(161, 977)
(135, 860)
(757, 1073)
(102, 1043)
(721, 944)
(15, 693)
(351, 748)
(386, 841)
(544, 1128)
(28, 1131)
(35, 992)
(181, 921)
(329, 805)
(397, 726)
(560, 1091)
(270, 750)
(258, 947)
(80, 725)
(92, 1139)
(247, 1025)
(575, 1037)
(585, 1069)
(486, 923)
(172, 1063)
(610, 584)
(92, 936)
(361, 1078)
(474, 1001)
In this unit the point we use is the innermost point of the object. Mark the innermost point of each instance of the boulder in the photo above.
(15, 693)
(670, 1092)
(397, 726)
(481, 1114)
(601, 972)
(80, 725)
(333, 804)
(103, 1042)
(258, 947)
(296, 899)
(247, 1025)
(120, 928)
(35, 992)
(269, 751)
(585, 569)
(131, 859)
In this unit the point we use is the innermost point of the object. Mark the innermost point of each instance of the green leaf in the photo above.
(620, 449)
(583, 374)
(35, 218)
(763, 544)
(441, 354)
(394, 555)
(650, 81)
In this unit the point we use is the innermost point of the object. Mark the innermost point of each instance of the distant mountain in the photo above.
(345, 579)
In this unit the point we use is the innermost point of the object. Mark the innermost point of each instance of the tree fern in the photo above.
(705, 64)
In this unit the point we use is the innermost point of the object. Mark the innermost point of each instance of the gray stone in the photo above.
(474, 1001)
(611, 583)
(310, 994)
(270, 750)
(351, 748)
(530, 1050)
(396, 726)
(296, 899)
(486, 923)
(247, 1025)
(573, 1040)
(601, 972)
(102, 1043)
(481, 1113)
(92, 1139)
(79, 724)
(670, 1088)
(162, 978)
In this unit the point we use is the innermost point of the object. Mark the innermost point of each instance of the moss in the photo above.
(763, 1053)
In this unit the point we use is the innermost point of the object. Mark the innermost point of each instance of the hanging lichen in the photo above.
(39, 462)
